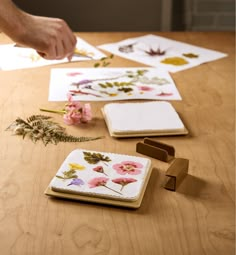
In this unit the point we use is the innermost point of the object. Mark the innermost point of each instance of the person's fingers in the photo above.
(69, 43)
(61, 41)
(71, 37)
(49, 53)
(69, 57)
(60, 50)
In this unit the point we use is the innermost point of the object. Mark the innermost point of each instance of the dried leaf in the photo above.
(40, 127)
(93, 158)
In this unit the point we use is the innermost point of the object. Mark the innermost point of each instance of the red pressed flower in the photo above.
(128, 167)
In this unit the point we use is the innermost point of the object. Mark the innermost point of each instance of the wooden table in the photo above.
(197, 219)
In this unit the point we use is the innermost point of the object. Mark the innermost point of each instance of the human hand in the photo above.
(50, 37)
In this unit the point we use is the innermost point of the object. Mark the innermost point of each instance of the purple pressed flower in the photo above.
(82, 82)
(76, 182)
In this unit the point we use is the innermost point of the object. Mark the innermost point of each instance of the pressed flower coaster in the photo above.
(102, 177)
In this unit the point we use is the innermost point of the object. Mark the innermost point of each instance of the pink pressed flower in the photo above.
(86, 113)
(123, 181)
(99, 169)
(74, 112)
(73, 74)
(128, 167)
(72, 117)
(101, 181)
(96, 182)
(145, 88)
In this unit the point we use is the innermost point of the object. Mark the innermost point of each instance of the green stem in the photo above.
(53, 111)
(113, 190)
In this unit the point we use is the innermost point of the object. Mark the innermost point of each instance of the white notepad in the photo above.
(110, 176)
(142, 119)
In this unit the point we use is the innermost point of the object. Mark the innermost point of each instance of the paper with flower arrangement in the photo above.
(102, 174)
(14, 57)
(161, 52)
(106, 84)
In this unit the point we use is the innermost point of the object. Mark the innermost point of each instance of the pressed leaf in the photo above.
(40, 127)
(96, 64)
(93, 158)
(70, 174)
(126, 90)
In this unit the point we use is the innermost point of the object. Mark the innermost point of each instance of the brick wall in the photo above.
(210, 15)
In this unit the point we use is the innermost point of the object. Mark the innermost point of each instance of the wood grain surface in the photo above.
(197, 219)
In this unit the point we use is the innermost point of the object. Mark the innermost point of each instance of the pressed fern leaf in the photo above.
(40, 127)
(93, 158)
(71, 138)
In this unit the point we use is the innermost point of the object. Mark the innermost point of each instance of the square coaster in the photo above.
(102, 177)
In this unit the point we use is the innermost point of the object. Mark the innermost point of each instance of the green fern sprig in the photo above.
(40, 127)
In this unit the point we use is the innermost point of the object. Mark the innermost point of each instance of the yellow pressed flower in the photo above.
(76, 166)
(112, 94)
(176, 61)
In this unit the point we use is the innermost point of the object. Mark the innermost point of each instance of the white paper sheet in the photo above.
(12, 57)
(161, 52)
(109, 84)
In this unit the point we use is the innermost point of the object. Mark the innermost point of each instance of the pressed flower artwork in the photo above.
(102, 174)
(151, 50)
(109, 84)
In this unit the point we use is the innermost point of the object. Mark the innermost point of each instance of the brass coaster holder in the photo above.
(177, 170)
